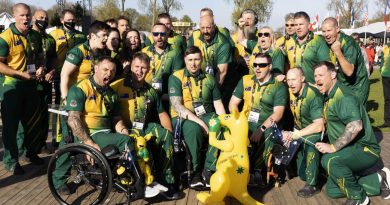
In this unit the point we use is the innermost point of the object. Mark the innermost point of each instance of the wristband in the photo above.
(263, 128)
(334, 149)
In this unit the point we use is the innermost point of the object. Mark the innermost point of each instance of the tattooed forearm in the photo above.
(78, 126)
(177, 104)
(351, 131)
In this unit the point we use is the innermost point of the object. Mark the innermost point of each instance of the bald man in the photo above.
(306, 104)
(346, 54)
(20, 63)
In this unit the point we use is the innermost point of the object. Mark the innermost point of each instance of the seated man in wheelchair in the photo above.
(92, 113)
(139, 104)
(194, 96)
(306, 104)
(264, 99)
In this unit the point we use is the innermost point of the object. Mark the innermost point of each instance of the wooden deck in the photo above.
(32, 188)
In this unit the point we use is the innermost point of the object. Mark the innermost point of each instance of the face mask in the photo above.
(70, 25)
(42, 25)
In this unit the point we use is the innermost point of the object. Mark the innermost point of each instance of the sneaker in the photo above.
(206, 175)
(151, 192)
(255, 179)
(354, 202)
(16, 169)
(36, 160)
(63, 190)
(308, 191)
(385, 182)
(196, 180)
(172, 194)
(45, 150)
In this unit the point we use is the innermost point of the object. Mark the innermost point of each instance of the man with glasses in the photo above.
(80, 60)
(194, 95)
(308, 48)
(164, 60)
(348, 58)
(177, 41)
(287, 40)
(264, 100)
(306, 104)
(264, 44)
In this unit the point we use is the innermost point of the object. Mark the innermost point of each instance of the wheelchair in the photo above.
(93, 174)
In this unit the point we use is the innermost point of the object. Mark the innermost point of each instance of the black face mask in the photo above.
(42, 25)
(70, 25)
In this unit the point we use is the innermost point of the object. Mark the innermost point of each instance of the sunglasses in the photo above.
(289, 25)
(261, 65)
(265, 34)
(155, 34)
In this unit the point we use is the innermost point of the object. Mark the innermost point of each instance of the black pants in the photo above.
(386, 95)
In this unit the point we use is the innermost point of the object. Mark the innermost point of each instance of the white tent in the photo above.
(373, 28)
(6, 19)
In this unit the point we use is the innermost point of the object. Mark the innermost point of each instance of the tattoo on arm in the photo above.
(77, 126)
(177, 104)
(351, 131)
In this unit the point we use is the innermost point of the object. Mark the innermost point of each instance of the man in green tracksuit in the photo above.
(307, 105)
(385, 71)
(265, 100)
(20, 60)
(139, 104)
(345, 53)
(195, 96)
(352, 146)
(93, 111)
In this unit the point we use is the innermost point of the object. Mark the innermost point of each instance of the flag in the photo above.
(385, 13)
(352, 17)
(314, 25)
(366, 16)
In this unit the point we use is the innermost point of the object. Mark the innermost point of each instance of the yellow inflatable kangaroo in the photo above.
(231, 177)
(143, 155)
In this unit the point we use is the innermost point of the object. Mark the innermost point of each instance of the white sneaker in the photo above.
(158, 186)
(385, 182)
(151, 192)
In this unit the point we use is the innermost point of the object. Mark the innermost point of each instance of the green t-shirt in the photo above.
(342, 107)
(385, 69)
(145, 99)
(359, 81)
(278, 58)
(265, 96)
(311, 52)
(201, 88)
(307, 107)
(87, 97)
(218, 51)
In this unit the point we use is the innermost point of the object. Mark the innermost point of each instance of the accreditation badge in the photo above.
(138, 124)
(210, 70)
(199, 108)
(31, 69)
(254, 115)
(157, 85)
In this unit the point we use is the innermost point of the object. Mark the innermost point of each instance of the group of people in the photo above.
(314, 87)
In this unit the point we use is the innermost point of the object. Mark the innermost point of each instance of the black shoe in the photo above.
(385, 182)
(36, 160)
(196, 181)
(206, 175)
(172, 194)
(354, 202)
(63, 190)
(308, 191)
(45, 150)
(16, 169)
(384, 125)
(256, 180)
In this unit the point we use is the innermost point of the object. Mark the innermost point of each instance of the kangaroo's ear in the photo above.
(148, 137)
(235, 113)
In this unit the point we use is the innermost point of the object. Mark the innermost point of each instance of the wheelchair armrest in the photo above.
(110, 151)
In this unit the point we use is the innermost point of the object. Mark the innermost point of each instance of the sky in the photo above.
(223, 8)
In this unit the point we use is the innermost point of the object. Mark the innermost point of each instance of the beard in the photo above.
(250, 32)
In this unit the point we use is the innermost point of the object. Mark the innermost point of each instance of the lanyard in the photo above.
(325, 111)
(44, 48)
(135, 94)
(297, 111)
(207, 58)
(162, 63)
(27, 49)
(102, 92)
(295, 54)
(190, 87)
(66, 38)
(262, 89)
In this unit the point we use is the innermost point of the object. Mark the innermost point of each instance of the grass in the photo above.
(375, 103)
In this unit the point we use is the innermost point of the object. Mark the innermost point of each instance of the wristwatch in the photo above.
(263, 128)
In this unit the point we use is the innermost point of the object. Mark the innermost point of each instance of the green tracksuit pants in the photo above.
(308, 160)
(261, 150)
(19, 104)
(103, 139)
(194, 137)
(343, 168)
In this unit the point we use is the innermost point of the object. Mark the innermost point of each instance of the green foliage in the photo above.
(106, 10)
(79, 11)
(55, 20)
(186, 18)
(263, 9)
(6, 6)
(344, 7)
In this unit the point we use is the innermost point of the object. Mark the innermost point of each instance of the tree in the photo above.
(106, 10)
(143, 23)
(169, 5)
(6, 6)
(344, 8)
(132, 15)
(78, 11)
(262, 8)
(186, 18)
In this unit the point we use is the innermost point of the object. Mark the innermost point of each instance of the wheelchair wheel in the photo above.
(88, 183)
